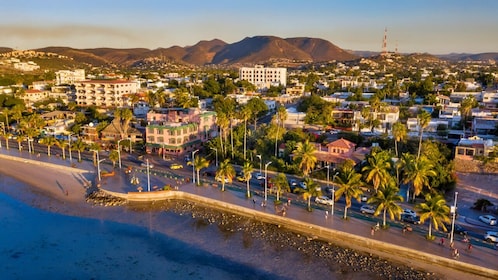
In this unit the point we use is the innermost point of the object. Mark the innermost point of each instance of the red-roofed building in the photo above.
(338, 151)
(34, 95)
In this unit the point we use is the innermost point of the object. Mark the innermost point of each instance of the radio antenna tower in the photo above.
(384, 42)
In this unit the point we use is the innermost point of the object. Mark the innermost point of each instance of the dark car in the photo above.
(410, 219)
(459, 230)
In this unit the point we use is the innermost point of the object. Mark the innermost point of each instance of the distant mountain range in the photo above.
(250, 50)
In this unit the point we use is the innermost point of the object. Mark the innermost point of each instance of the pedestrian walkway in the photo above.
(120, 182)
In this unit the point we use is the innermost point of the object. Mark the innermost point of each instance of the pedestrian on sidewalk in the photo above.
(442, 241)
(326, 214)
(372, 231)
(469, 247)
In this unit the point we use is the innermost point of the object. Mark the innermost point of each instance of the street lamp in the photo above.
(148, 176)
(453, 210)
(70, 156)
(266, 180)
(333, 194)
(216, 150)
(260, 163)
(119, 151)
(193, 165)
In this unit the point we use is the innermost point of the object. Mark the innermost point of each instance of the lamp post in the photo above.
(29, 146)
(266, 180)
(148, 176)
(216, 151)
(260, 163)
(193, 165)
(119, 152)
(333, 194)
(453, 210)
(3, 128)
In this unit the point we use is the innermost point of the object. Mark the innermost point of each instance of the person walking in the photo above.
(442, 241)
(469, 248)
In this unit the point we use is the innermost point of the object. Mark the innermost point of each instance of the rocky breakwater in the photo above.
(99, 197)
(341, 261)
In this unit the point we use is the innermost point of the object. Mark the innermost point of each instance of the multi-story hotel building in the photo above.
(68, 77)
(174, 131)
(104, 93)
(263, 77)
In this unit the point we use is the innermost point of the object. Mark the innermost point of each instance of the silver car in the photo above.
(324, 200)
(488, 219)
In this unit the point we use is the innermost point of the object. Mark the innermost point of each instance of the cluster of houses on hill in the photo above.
(176, 131)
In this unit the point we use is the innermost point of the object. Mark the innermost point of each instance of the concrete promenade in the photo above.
(480, 256)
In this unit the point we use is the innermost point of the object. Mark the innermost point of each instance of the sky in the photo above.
(432, 26)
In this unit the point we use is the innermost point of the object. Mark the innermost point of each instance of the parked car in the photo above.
(460, 230)
(293, 183)
(491, 236)
(407, 218)
(260, 176)
(219, 179)
(324, 200)
(176, 166)
(302, 185)
(368, 209)
(407, 211)
(488, 219)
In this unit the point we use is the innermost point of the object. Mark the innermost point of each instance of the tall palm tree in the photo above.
(349, 182)
(418, 172)
(20, 138)
(305, 155)
(399, 134)
(377, 169)
(95, 148)
(435, 209)
(114, 157)
(466, 106)
(222, 122)
(247, 174)
(310, 191)
(281, 183)
(386, 200)
(79, 146)
(124, 116)
(49, 141)
(245, 113)
(225, 172)
(6, 112)
(282, 115)
(62, 144)
(424, 118)
(200, 163)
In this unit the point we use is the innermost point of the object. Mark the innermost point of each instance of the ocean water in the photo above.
(37, 244)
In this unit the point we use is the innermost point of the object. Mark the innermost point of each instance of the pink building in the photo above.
(175, 131)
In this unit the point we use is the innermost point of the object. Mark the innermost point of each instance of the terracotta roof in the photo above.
(342, 143)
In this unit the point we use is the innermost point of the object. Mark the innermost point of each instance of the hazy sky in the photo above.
(434, 26)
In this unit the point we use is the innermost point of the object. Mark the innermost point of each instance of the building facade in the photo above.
(175, 131)
(264, 77)
(104, 93)
(68, 77)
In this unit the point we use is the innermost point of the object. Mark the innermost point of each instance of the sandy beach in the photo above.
(255, 257)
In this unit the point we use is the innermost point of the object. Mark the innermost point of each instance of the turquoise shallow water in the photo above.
(41, 245)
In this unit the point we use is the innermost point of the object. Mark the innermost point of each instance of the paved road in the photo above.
(359, 225)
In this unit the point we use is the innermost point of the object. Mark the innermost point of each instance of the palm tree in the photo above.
(386, 200)
(49, 141)
(281, 183)
(114, 157)
(124, 116)
(200, 163)
(247, 174)
(6, 113)
(305, 155)
(246, 115)
(466, 106)
(222, 122)
(20, 138)
(311, 190)
(424, 118)
(399, 134)
(435, 209)
(377, 169)
(349, 182)
(95, 148)
(225, 172)
(62, 144)
(79, 146)
(418, 172)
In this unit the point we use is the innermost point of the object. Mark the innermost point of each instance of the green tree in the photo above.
(49, 141)
(466, 106)
(386, 201)
(349, 185)
(304, 154)
(114, 157)
(79, 146)
(311, 190)
(399, 134)
(424, 118)
(62, 144)
(225, 172)
(247, 174)
(124, 116)
(200, 163)
(418, 172)
(377, 169)
(281, 183)
(435, 210)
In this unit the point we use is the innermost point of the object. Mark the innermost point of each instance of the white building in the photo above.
(69, 77)
(264, 77)
(106, 93)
